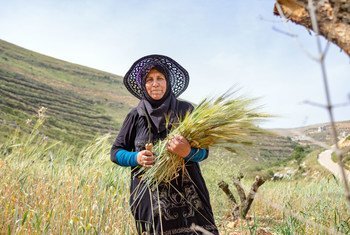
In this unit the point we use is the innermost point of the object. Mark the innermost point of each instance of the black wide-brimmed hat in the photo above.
(177, 75)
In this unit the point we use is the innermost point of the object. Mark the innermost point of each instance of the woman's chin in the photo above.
(156, 97)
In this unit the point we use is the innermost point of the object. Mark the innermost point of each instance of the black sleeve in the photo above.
(126, 137)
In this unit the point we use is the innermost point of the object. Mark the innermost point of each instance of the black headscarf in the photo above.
(157, 111)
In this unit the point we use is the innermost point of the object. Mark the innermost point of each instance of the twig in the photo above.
(325, 106)
(314, 104)
(312, 12)
(341, 105)
(198, 228)
(326, 48)
(284, 32)
(260, 17)
(281, 13)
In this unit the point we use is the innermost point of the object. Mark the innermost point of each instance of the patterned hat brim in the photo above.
(178, 76)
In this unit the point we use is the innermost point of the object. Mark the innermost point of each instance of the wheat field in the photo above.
(49, 187)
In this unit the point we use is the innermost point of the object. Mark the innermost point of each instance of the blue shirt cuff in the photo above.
(196, 155)
(126, 158)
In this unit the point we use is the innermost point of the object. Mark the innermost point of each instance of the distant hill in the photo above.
(321, 132)
(272, 153)
(81, 102)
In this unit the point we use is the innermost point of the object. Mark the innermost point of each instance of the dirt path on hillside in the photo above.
(325, 159)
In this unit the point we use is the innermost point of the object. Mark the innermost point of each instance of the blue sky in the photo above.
(221, 44)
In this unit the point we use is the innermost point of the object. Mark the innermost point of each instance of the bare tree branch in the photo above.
(285, 33)
(312, 12)
(278, 8)
(335, 30)
(325, 106)
(241, 210)
(246, 206)
(314, 104)
(240, 189)
(224, 186)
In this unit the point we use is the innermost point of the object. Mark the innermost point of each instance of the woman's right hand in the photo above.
(145, 158)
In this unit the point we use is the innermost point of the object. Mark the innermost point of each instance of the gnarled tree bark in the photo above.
(241, 210)
(333, 17)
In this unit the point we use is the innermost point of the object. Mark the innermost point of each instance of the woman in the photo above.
(171, 208)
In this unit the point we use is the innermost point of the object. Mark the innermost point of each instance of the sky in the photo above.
(222, 44)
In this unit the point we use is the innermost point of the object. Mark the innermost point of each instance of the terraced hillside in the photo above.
(269, 148)
(81, 102)
(320, 132)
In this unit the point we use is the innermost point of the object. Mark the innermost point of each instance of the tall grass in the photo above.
(56, 188)
(305, 207)
(50, 187)
(314, 204)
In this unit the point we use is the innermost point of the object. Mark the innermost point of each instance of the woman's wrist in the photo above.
(197, 155)
(126, 158)
(186, 152)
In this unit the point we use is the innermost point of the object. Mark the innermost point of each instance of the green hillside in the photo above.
(81, 102)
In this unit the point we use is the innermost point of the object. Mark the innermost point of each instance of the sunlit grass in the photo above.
(55, 188)
(314, 204)
(304, 206)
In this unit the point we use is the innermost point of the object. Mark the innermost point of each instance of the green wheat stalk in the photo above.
(214, 122)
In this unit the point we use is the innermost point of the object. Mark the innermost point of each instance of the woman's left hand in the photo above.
(179, 146)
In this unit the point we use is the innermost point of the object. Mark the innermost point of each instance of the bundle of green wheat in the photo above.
(213, 122)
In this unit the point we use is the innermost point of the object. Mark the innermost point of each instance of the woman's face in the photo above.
(155, 84)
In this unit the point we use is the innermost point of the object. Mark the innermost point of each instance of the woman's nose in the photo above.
(155, 83)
